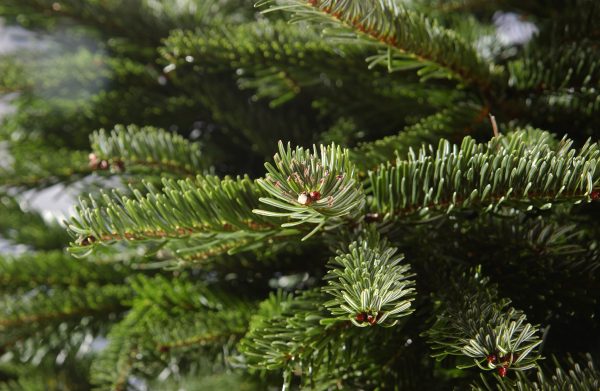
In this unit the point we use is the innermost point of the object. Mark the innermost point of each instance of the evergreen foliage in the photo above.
(301, 194)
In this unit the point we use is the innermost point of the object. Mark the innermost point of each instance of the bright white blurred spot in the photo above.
(86, 345)
(169, 68)
(164, 375)
(99, 344)
(60, 358)
(53, 203)
(284, 281)
(13, 38)
(5, 107)
(196, 133)
(7, 247)
(57, 203)
(6, 159)
(138, 383)
(512, 29)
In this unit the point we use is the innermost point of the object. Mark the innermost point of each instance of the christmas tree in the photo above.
(302, 194)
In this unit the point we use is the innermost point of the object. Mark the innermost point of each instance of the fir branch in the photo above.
(60, 304)
(311, 187)
(142, 22)
(574, 376)
(90, 90)
(182, 294)
(486, 176)
(273, 58)
(459, 119)
(113, 366)
(403, 32)
(566, 66)
(251, 46)
(203, 248)
(531, 137)
(28, 227)
(198, 315)
(184, 208)
(52, 269)
(33, 165)
(369, 285)
(167, 313)
(170, 325)
(147, 149)
(475, 323)
(251, 126)
(45, 375)
(195, 330)
(294, 337)
(574, 106)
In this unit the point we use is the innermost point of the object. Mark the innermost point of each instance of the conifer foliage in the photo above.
(302, 194)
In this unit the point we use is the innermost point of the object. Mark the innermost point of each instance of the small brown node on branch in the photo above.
(88, 240)
(163, 349)
(119, 166)
(372, 217)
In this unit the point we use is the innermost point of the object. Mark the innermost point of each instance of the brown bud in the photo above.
(372, 217)
(88, 240)
(315, 195)
(502, 371)
(119, 166)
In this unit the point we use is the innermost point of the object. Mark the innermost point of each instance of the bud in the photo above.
(304, 199)
(372, 320)
(93, 161)
(502, 371)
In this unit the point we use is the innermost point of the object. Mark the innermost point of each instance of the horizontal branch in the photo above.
(147, 149)
(404, 32)
(53, 268)
(508, 170)
(458, 120)
(182, 209)
(62, 304)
